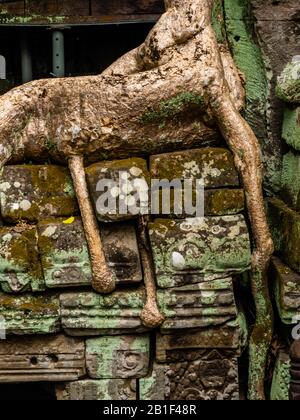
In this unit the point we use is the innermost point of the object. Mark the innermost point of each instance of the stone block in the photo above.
(291, 127)
(285, 227)
(288, 84)
(227, 336)
(65, 256)
(215, 166)
(118, 357)
(281, 377)
(35, 192)
(120, 186)
(208, 375)
(102, 390)
(201, 305)
(290, 180)
(89, 314)
(64, 253)
(201, 249)
(287, 291)
(28, 314)
(41, 359)
(20, 267)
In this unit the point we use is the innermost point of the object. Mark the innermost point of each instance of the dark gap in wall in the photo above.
(39, 391)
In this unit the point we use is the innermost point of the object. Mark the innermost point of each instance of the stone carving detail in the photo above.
(92, 314)
(119, 357)
(228, 336)
(37, 359)
(27, 314)
(199, 305)
(287, 291)
(20, 268)
(105, 389)
(207, 375)
(65, 256)
(192, 250)
(33, 192)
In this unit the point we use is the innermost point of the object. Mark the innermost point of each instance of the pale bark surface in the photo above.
(170, 93)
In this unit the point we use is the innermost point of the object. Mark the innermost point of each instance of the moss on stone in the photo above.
(173, 107)
(288, 86)
(291, 127)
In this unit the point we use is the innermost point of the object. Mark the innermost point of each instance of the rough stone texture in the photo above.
(64, 253)
(288, 86)
(20, 267)
(281, 377)
(193, 250)
(214, 166)
(34, 192)
(290, 179)
(291, 127)
(197, 306)
(285, 227)
(227, 336)
(122, 253)
(119, 357)
(249, 59)
(277, 29)
(27, 314)
(88, 313)
(65, 257)
(105, 389)
(39, 359)
(208, 375)
(129, 178)
(287, 291)
(295, 371)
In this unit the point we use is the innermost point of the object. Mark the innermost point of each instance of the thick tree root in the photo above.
(150, 315)
(103, 279)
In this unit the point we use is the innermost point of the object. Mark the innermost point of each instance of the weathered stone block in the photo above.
(208, 375)
(102, 390)
(290, 179)
(119, 357)
(215, 166)
(36, 359)
(193, 250)
(281, 377)
(199, 305)
(65, 256)
(285, 228)
(92, 314)
(287, 291)
(288, 86)
(121, 186)
(227, 336)
(27, 314)
(64, 253)
(34, 192)
(122, 252)
(218, 202)
(20, 267)
(291, 127)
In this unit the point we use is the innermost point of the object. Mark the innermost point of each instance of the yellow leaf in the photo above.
(69, 221)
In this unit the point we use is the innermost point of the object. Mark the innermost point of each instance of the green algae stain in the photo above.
(172, 107)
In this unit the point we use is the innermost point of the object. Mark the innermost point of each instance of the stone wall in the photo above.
(92, 346)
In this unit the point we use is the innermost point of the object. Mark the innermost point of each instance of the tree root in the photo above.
(103, 279)
(150, 315)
